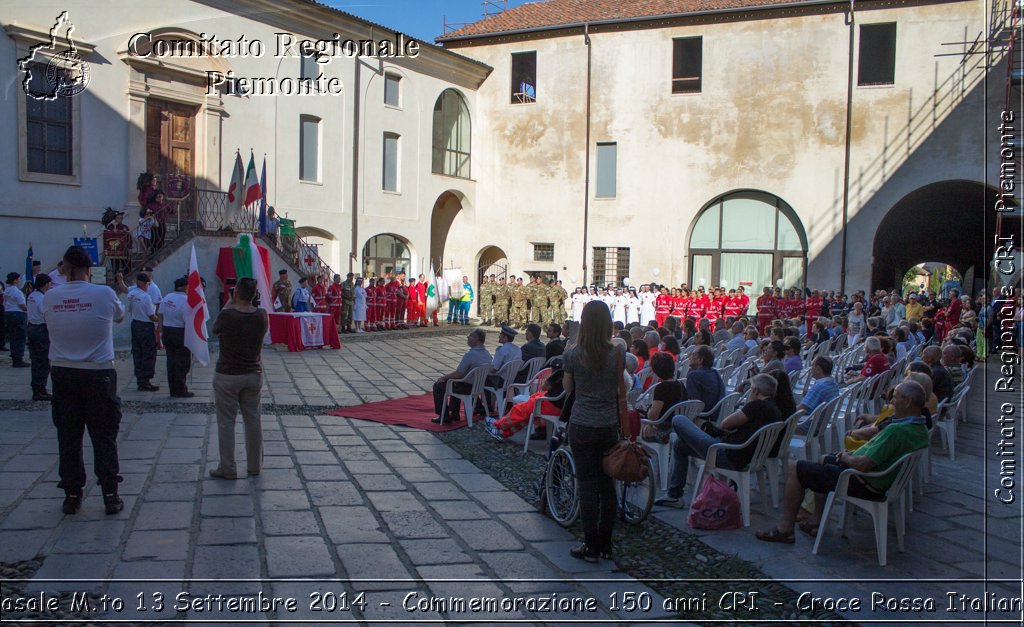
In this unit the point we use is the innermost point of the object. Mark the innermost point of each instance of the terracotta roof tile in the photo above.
(556, 13)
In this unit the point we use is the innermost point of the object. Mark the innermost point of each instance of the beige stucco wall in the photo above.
(771, 117)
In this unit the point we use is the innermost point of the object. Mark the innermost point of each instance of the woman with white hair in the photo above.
(855, 323)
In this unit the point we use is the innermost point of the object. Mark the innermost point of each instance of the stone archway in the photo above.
(446, 208)
(948, 221)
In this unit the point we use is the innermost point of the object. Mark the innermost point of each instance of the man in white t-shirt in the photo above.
(79, 318)
(57, 274)
(15, 318)
(179, 357)
(144, 319)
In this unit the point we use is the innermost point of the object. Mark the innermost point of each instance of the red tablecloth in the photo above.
(285, 329)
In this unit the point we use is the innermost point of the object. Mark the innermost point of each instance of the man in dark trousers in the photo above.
(144, 320)
(179, 357)
(79, 317)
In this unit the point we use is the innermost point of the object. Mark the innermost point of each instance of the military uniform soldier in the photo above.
(552, 293)
(540, 302)
(519, 297)
(558, 306)
(348, 301)
(502, 301)
(487, 300)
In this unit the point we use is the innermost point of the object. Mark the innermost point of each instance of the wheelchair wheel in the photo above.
(636, 499)
(560, 487)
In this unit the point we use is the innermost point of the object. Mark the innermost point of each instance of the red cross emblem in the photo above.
(309, 260)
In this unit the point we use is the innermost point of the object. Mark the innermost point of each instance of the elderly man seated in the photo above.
(907, 432)
(823, 390)
(876, 361)
(696, 436)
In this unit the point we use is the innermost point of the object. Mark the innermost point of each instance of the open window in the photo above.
(687, 65)
(524, 77)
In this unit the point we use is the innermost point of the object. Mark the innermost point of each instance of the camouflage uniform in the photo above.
(502, 300)
(487, 300)
(558, 305)
(348, 301)
(540, 303)
(531, 294)
(517, 315)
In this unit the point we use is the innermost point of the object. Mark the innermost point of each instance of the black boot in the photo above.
(39, 393)
(112, 503)
(146, 386)
(71, 503)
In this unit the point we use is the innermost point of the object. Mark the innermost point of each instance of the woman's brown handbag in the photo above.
(626, 461)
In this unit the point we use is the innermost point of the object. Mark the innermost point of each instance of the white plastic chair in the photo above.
(537, 415)
(762, 440)
(503, 392)
(778, 463)
(523, 391)
(725, 406)
(532, 367)
(903, 468)
(945, 423)
(814, 443)
(663, 451)
(475, 379)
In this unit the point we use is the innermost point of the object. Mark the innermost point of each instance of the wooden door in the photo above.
(170, 143)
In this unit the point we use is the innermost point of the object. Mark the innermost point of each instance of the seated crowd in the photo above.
(942, 340)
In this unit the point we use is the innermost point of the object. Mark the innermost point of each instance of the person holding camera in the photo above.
(238, 380)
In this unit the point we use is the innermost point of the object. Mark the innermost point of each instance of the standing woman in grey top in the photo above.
(593, 371)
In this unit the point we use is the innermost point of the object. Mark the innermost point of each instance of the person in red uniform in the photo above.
(319, 296)
(382, 305)
(731, 305)
(421, 301)
(744, 300)
(390, 303)
(677, 304)
(333, 300)
(698, 305)
(717, 309)
(813, 306)
(662, 307)
(412, 306)
(766, 310)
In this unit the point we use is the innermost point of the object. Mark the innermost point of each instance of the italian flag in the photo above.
(252, 261)
(253, 193)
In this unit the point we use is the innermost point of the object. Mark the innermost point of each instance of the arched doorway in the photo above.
(385, 254)
(932, 276)
(446, 209)
(491, 260)
(747, 238)
(949, 221)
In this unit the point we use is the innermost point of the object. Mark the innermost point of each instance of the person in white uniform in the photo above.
(79, 317)
(144, 320)
(647, 299)
(179, 357)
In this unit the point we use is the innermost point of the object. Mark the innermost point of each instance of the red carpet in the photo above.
(411, 411)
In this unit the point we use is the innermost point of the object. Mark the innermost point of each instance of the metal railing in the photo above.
(207, 211)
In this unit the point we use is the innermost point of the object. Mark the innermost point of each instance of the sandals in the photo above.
(809, 528)
(774, 535)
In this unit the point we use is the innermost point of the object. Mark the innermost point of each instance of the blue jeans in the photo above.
(690, 441)
(464, 311)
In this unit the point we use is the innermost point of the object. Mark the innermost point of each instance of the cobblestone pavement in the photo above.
(342, 501)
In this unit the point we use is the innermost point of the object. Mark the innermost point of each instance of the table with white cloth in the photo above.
(300, 331)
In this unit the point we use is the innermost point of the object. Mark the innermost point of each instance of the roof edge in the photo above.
(645, 18)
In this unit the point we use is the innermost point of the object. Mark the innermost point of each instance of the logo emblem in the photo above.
(55, 69)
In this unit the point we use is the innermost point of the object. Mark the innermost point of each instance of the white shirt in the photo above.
(173, 309)
(79, 318)
(632, 309)
(154, 292)
(647, 306)
(35, 308)
(14, 299)
(302, 295)
(57, 277)
(619, 308)
(140, 305)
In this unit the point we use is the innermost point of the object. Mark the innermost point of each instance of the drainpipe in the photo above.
(356, 91)
(846, 157)
(586, 163)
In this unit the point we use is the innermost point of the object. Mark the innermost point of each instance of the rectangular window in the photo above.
(309, 148)
(543, 252)
(606, 160)
(391, 92)
(611, 265)
(876, 64)
(687, 65)
(309, 69)
(48, 131)
(524, 77)
(390, 179)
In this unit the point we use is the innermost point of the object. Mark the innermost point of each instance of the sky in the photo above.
(423, 19)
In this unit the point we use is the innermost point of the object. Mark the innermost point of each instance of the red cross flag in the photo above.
(197, 339)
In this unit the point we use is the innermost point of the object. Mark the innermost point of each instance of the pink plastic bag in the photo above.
(716, 507)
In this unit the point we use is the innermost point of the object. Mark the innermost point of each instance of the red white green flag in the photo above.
(253, 192)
